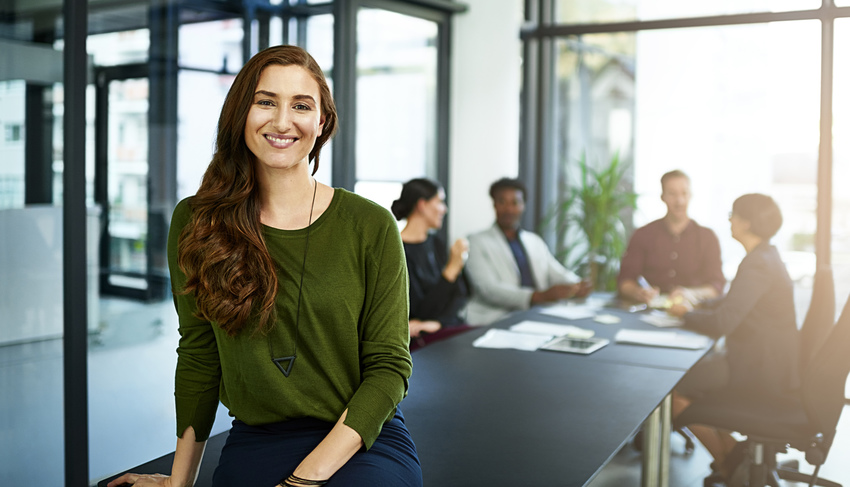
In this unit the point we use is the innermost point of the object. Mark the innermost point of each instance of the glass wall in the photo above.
(396, 102)
(587, 11)
(320, 30)
(32, 447)
(157, 79)
(12, 117)
(737, 108)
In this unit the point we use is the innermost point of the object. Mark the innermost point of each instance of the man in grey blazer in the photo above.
(510, 268)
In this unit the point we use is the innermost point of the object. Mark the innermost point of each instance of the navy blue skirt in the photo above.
(260, 456)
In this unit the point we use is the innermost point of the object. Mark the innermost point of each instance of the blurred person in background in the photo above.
(438, 287)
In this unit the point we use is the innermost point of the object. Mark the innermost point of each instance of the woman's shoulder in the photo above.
(357, 207)
(182, 212)
(765, 257)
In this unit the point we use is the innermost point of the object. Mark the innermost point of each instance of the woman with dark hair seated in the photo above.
(757, 318)
(438, 288)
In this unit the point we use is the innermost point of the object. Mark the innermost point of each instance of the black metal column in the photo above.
(344, 172)
(162, 142)
(38, 145)
(74, 247)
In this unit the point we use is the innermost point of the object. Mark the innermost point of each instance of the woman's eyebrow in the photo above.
(294, 97)
(304, 97)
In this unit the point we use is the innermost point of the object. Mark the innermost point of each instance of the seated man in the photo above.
(673, 255)
(510, 268)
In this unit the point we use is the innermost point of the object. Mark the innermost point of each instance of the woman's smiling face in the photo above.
(285, 117)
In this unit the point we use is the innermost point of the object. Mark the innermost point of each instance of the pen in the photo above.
(642, 282)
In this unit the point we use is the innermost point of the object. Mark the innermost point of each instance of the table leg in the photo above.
(656, 446)
(651, 449)
(666, 426)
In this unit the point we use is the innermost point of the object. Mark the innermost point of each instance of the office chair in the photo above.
(816, 326)
(819, 317)
(804, 420)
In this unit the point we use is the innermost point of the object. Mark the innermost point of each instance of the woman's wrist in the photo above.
(295, 481)
(451, 271)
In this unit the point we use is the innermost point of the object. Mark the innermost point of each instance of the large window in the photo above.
(396, 102)
(585, 11)
(151, 84)
(31, 260)
(736, 108)
(734, 100)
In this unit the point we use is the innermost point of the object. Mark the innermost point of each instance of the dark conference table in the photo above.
(513, 418)
(510, 417)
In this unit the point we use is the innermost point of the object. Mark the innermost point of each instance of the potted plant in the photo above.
(590, 232)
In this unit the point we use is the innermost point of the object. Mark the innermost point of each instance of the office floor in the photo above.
(131, 370)
(689, 470)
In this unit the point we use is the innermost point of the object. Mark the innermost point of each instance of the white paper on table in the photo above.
(607, 319)
(661, 319)
(497, 338)
(574, 312)
(669, 339)
(542, 328)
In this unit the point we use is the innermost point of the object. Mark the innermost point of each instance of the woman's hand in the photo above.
(418, 326)
(457, 258)
(142, 480)
(680, 294)
(680, 309)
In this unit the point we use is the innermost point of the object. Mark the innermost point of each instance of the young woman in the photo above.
(438, 288)
(757, 318)
(292, 301)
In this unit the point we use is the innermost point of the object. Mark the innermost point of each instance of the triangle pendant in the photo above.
(284, 364)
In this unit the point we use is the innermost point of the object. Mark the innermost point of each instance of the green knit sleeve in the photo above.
(385, 356)
(198, 374)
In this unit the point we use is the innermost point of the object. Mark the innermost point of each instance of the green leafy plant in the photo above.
(588, 222)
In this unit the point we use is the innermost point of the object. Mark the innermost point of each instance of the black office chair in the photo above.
(804, 420)
(819, 317)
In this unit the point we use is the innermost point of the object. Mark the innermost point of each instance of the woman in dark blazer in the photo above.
(757, 319)
(438, 288)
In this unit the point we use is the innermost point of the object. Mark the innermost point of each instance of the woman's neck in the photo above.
(415, 231)
(750, 242)
(286, 199)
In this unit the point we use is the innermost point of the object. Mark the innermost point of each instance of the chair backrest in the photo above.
(820, 316)
(826, 376)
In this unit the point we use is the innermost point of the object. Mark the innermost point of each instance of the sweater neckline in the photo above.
(332, 208)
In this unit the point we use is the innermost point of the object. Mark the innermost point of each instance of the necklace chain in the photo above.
(285, 363)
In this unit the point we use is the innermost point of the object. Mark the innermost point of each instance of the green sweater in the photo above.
(352, 338)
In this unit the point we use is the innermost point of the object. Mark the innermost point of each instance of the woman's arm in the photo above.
(184, 470)
(331, 454)
(753, 280)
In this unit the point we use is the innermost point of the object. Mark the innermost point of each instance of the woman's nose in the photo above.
(281, 119)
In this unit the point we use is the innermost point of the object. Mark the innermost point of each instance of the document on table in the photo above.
(669, 339)
(551, 329)
(497, 338)
(661, 319)
(570, 312)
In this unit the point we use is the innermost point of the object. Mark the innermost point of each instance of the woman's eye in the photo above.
(301, 106)
(267, 103)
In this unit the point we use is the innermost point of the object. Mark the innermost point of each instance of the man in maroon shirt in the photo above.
(673, 255)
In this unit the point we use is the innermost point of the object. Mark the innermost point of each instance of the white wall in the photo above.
(485, 91)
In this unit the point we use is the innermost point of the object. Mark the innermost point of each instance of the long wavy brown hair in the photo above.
(222, 250)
